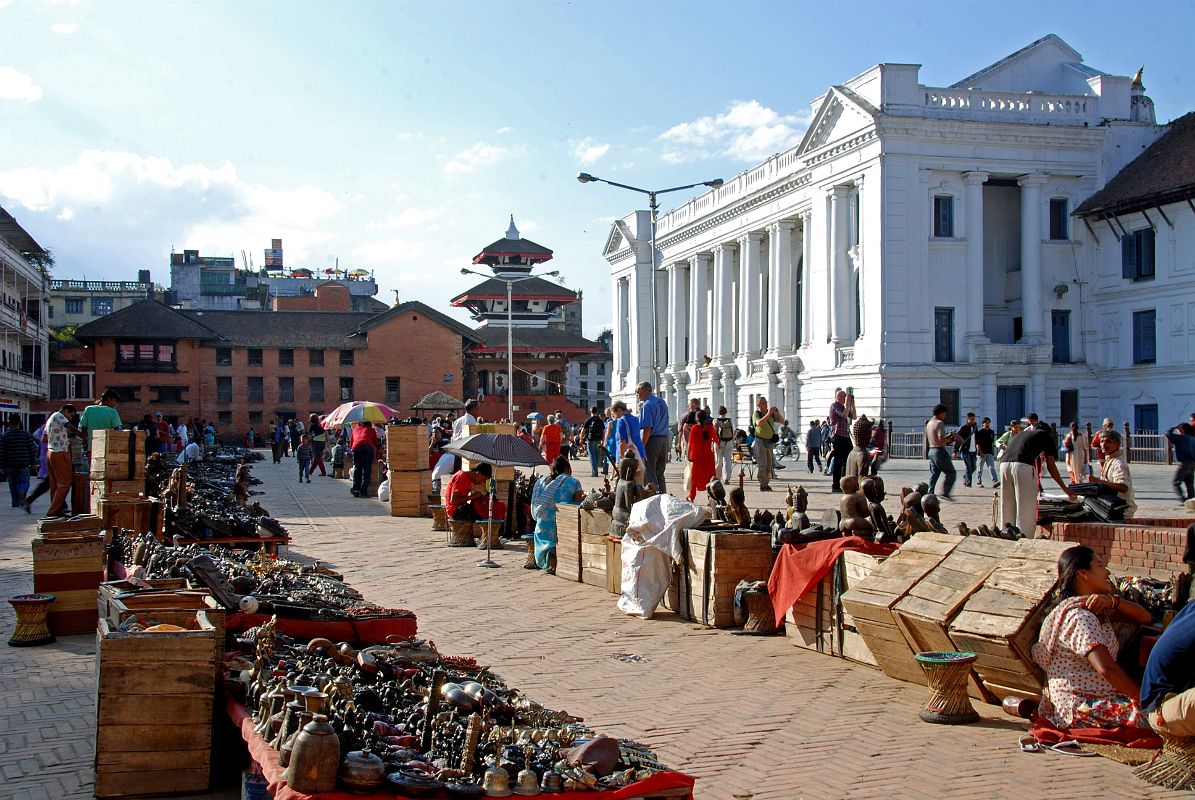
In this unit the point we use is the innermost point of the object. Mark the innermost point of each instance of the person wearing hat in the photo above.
(1097, 439)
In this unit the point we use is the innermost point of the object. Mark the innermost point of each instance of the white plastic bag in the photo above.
(384, 491)
(649, 548)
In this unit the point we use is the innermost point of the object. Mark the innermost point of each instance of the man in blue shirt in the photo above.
(627, 436)
(1168, 685)
(653, 419)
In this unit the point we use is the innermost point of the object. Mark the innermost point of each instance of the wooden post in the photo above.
(1128, 443)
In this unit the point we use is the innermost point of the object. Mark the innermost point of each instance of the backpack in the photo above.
(725, 430)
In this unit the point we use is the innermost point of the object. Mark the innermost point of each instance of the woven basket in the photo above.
(947, 674)
(1174, 767)
(761, 616)
(460, 533)
(479, 529)
(31, 611)
(439, 518)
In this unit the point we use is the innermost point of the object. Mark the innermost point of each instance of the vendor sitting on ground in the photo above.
(1085, 687)
(1168, 686)
(1116, 471)
(559, 487)
(463, 489)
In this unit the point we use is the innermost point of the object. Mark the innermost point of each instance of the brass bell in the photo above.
(553, 782)
(527, 783)
(496, 782)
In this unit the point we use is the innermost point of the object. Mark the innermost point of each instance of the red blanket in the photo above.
(799, 567)
(267, 757)
(1045, 732)
(378, 630)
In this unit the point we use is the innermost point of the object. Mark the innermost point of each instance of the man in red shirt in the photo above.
(549, 440)
(364, 446)
(463, 489)
(163, 430)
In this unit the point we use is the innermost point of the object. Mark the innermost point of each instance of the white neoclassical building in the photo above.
(917, 245)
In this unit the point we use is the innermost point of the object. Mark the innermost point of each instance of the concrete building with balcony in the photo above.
(77, 302)
(23, 331)
(916, 246)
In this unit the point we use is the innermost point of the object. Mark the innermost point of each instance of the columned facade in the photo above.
(908, 261)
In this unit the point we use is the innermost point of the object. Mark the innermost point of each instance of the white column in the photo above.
(839, 268)
(807, 277)
(724, 309)
(1037, 393)
(987, 398)
(620, 334)
(641, 320)
(698, 308)
(973, 199)
(750, 293)
(677, 317)
(1032, 322)
(783, 274)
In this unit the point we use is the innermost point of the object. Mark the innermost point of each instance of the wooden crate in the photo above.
(143, 605)
(870, 602)
(925, 612)
(110, 589)
(69, 526)
(154, 707)
(80, 493)
(818, 621)
(131, 512)
(594, 527)
(406, 447)
(613, 565)
(103, 488)
(504, 428)
(1000, 622)
(409, 491)
(568, 541)
(71, 568)
(117, 455)
(717, 560)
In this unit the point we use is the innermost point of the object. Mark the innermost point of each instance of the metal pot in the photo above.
(362, 771)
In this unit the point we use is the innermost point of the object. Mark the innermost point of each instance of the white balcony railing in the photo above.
(1013, 106)
(22, 384)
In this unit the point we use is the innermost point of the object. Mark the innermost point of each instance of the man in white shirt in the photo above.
(1116, 471)
(458, 427)
(192, 452)
(58, 458)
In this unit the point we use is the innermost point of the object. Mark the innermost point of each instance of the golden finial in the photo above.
(1137, 84)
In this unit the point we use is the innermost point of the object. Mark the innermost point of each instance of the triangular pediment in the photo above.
(619, 238)
(842, 114)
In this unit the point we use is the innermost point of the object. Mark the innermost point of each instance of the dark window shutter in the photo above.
(1146, 256)
(1128, 256)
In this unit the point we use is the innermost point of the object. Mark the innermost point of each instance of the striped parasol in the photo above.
(359, 411)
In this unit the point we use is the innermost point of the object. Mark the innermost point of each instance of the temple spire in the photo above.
(512, 232)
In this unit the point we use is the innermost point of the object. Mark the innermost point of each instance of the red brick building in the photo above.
(243, 368)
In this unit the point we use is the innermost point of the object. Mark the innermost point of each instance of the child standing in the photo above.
(305, 454)
(338, 460)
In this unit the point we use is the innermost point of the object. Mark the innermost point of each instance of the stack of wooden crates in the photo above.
(68, 562)
(818, 620)
(154, 710)
(118, 482)
(704, 583)
(410, 475)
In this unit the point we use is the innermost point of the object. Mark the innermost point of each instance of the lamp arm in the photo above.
(623, 186)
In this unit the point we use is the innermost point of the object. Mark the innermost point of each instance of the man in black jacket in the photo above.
(592, 431)
(18, 452)
(965, 447)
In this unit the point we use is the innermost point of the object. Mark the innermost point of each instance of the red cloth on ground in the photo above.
(267, 757)
(1045, 732)
(378, 630)
(799, 567)
(701, 453)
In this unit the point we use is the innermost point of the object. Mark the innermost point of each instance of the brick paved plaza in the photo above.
(748, 716)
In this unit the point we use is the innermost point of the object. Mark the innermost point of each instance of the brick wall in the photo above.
(1154, 549)
(328, 297)
(187, 374)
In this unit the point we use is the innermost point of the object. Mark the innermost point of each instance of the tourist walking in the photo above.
(702, 450)
(278, 437)
(319, 443)
(939, 452)
(841, 414)
(304, 454)
(58, 458)
(1019, 476)
(18, 452)
(1183, 440)
(813, 446)
(653, 423)
(687, 421)
(293, 432)
(725, 428)
(985, 449)
(592, 431)
(964, 445)
(364, 446)
(767, 421)
(559, 487)
(550, 438)
(1077, 454)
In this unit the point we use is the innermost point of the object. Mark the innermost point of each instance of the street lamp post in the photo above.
(653, 204)
(510, 361)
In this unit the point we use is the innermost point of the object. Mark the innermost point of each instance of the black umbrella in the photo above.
(498, 449)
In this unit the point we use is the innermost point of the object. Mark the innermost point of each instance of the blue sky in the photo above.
(399, 136)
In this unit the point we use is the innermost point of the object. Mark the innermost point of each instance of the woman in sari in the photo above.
(559, 487)
(702, 454)
(1077, 648)
(1077, 453)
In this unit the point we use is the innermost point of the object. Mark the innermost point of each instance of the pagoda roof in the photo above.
(533, 288)
(533, 340)
(513, 248)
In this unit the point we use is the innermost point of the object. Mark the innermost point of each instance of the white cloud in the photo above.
(747, 131)
(587, 152)
(64, 28)
(480, 155)
(407, 218)
(16, 85)
(504, 129)
(5, 3)
(120, 202)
